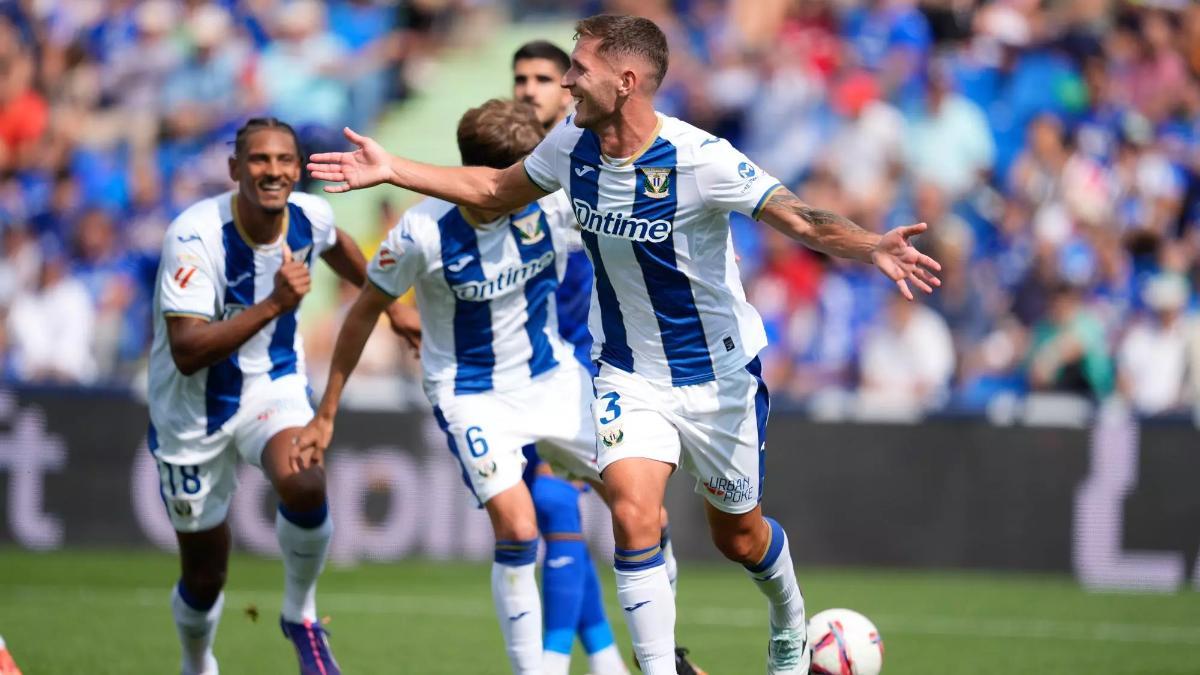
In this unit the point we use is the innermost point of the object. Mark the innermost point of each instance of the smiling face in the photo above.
(594, 83)
(539, 82)
(268, 169)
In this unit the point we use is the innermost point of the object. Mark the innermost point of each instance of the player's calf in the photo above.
(196, 599)
(761, 545)
(304, 529)
(740, 538)
(636, 486)
(514, 583)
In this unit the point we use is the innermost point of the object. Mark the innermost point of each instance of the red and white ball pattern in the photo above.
(844, 642)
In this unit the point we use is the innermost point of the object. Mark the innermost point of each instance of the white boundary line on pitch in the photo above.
(434, 605)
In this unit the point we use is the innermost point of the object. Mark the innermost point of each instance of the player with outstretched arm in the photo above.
(496, 370)
(679, 381)
(572, 601)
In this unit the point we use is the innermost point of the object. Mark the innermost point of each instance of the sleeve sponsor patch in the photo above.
(183, 275)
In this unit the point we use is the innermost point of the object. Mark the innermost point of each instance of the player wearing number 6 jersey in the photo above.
(496, 370)
(227, 381)
(679, 381)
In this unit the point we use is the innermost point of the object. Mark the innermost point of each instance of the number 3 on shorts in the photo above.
(475, 442)
(613, 411)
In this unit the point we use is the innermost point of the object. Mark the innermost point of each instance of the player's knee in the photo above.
(740, 546)
(304, 490)
(632, 520)
(517, 530)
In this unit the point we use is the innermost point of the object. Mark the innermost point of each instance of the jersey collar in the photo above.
(237, 223)
(641, 151)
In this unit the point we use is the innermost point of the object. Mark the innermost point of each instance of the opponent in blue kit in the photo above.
(679, 382)
(227, 380)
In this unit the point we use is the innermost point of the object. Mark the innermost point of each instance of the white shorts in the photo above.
(715, 430)
(486, 431)
(197, 493)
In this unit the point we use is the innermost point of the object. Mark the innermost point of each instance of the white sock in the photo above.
(649, 609)
(556, 663)
(196, 630)
(303, 550)
(519, 611)
(607, 661)
(668, 551)
(776, 579)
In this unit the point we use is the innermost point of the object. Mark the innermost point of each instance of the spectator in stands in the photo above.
(869, 138)
(949, 143)
(374, 49)
(1157, 356)
(51, 326)
(302, 73)
(907, 359)
(207, 92)
(23, 111)
(1069, 350)
(100, 265)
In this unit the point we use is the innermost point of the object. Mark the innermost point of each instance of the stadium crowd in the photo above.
(1054, 149)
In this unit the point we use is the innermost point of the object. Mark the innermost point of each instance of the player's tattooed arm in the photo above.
(818, 229)
(837, 235)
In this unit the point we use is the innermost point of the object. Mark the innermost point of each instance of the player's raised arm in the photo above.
(478, 187)
(837, 235)
(198, 343)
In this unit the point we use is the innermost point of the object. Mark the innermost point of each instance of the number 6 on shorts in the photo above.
(475, 442)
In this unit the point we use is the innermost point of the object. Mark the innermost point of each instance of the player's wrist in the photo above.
(324, 417)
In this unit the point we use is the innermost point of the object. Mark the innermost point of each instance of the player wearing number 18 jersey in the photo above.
(227, 382)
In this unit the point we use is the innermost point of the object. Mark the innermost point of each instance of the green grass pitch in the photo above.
(106, 612)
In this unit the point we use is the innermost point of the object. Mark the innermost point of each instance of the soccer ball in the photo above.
(844, 642)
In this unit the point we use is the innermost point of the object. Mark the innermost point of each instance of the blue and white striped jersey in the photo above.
(211, 269)
(486, 292)
(668, 300)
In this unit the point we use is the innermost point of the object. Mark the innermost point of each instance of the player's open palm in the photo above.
(897, 258)
(292, 281)
(369, 165)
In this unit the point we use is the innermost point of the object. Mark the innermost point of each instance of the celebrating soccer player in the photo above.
(495, 368)
(679, 381)
(227, 380)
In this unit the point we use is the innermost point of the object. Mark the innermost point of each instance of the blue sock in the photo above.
(557, 504)
(191, 601)
(563, 581)
(594, 629)
(306, 519)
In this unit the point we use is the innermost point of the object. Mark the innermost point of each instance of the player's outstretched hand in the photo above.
(406, 322)
(902, 262)
(291, 281)
(312, 442)
(369, 165)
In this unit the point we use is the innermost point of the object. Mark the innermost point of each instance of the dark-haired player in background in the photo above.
(572, 602)
(227, 380)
